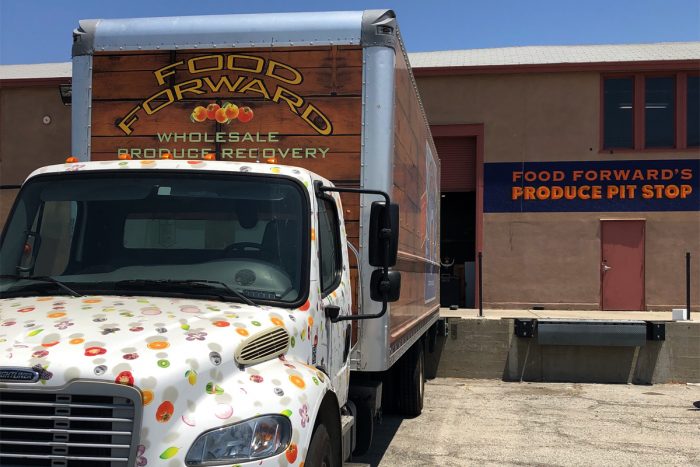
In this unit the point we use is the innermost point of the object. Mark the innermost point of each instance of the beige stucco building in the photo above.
(34, 123)
(543, 110)
(574, 169)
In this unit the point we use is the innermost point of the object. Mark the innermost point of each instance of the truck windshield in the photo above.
(238, 237)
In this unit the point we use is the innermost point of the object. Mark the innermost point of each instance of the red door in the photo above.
(622, 265)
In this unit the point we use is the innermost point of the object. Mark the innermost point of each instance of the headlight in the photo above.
(245, 441)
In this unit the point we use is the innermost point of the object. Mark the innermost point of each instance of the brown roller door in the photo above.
(458, 161)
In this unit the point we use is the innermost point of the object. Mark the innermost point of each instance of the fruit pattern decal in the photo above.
(225, 113)
(179, 352)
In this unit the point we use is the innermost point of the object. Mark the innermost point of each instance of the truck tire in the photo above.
(320, 450)
(410, 379)
(364, 428)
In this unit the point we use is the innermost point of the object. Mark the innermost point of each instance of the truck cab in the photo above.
(202, 284)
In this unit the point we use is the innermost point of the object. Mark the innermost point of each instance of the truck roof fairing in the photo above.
(368, 28)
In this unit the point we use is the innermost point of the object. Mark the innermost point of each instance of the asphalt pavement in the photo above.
(490, 422)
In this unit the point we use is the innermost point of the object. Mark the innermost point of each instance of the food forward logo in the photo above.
(231, 74)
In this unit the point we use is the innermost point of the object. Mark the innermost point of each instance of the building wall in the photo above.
(553, 259)
(549, 259)
(26, 143)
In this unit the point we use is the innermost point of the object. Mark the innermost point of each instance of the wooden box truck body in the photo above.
(216, 230)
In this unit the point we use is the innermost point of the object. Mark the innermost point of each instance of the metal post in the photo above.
(687, 283)
(481, 288)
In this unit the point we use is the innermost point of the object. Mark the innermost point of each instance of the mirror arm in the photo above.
(385, 233)
(320, 189)
(372, 316)
(359, 317)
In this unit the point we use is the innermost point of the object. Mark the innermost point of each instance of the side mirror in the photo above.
(385, 287)
(383, 234)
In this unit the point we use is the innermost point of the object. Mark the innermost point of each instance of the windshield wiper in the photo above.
(48, 279)
(225, 286)
(209, 284)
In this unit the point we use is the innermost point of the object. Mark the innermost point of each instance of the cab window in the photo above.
(329, 245)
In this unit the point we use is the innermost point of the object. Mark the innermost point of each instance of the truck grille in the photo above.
(82, 424)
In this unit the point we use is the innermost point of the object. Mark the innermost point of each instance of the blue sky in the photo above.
(37, 31)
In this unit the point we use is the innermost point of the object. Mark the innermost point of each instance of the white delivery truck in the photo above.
(240, 256)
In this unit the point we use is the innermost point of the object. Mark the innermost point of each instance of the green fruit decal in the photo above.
(163, 363)
(286, 413)
(170, 452)
(214, 388)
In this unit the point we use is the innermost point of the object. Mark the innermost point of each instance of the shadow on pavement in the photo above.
(383, 435)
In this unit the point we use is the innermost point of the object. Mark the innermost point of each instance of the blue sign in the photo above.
(592, 186)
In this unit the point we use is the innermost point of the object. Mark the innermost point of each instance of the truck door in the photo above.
(330, 347)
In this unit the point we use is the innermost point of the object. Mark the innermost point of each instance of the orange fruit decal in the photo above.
(158, 345)
(276, 321)
(147, 397)
(297, 381)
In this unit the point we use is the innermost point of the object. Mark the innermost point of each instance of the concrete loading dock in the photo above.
(488, 347)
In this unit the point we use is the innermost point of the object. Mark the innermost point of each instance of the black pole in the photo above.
(481, 288)
(687, 283)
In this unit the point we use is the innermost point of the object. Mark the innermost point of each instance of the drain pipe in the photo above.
(481, 288)
(687, 284)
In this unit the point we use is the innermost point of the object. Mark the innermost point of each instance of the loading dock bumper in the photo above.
(590, 332)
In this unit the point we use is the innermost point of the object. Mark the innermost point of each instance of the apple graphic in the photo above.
(231, 111)
(245, 114)
(211, 110)
(199, 114)
(220, 115)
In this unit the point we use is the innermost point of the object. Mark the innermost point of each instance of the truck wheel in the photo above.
(320, 450)
(411, 381)
(364, 428)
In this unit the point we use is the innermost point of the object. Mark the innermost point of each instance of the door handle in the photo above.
(606, 268)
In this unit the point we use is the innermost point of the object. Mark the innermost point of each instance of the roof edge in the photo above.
(43, 81)
(219, 31)
(622, 66)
